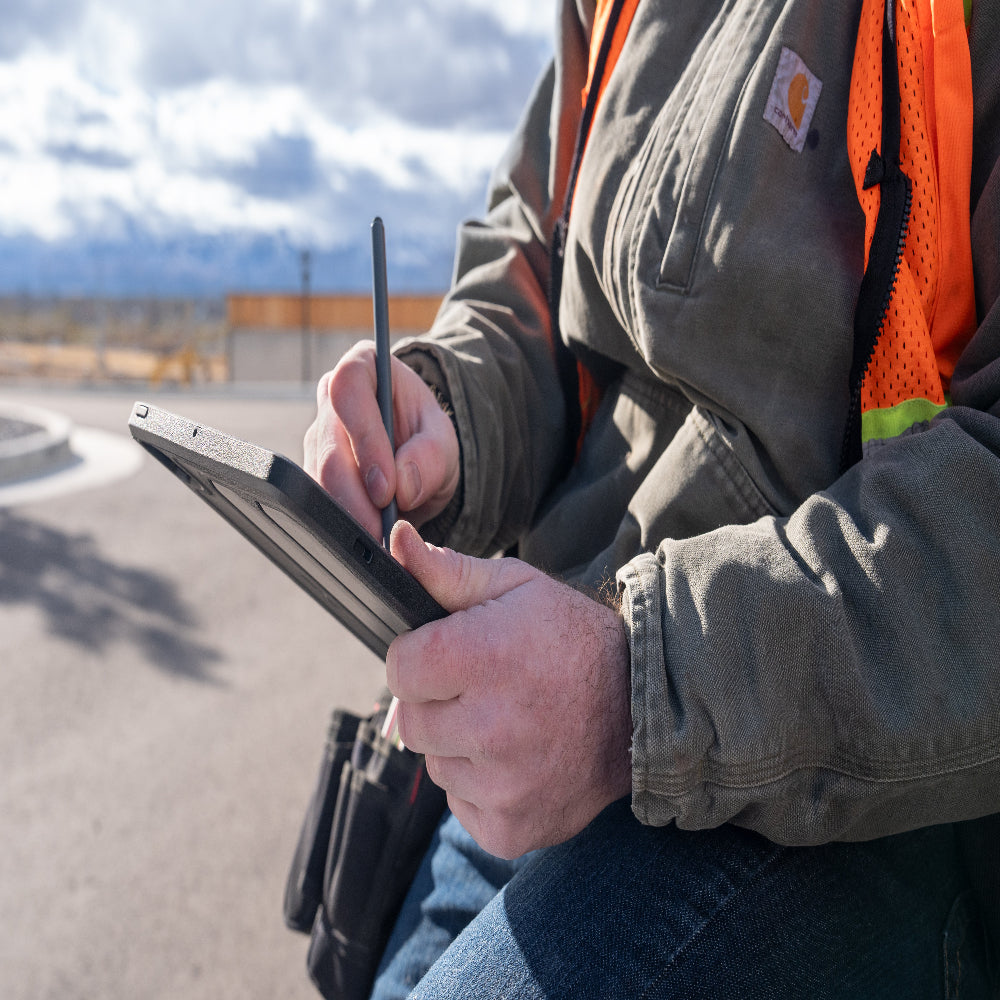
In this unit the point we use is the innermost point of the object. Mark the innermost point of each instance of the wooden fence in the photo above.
(278, 338)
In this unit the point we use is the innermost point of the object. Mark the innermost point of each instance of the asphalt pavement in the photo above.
(164, 696)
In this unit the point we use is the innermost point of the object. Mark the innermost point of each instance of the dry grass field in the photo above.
(191, 341)
(160, 341)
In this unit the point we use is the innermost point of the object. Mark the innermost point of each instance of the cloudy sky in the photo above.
(177, 145)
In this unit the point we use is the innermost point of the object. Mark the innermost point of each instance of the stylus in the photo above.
(383, 371)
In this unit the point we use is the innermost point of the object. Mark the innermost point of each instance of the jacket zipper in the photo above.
(888, 240)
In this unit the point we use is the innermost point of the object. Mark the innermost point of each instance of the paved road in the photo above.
(163, 701)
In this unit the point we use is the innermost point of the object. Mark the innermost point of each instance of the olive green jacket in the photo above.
(815, 656)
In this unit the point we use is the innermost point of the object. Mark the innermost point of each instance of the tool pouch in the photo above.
(371, 820)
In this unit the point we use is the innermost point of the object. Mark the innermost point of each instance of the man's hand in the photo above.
(347, 450)
(520, 699)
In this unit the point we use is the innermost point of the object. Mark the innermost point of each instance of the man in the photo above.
(759, 764)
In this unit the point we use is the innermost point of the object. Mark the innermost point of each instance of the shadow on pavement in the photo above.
(93, 602)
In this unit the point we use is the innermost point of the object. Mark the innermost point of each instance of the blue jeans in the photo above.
(625, 911)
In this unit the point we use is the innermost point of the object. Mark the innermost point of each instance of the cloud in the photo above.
(427, 61)
(284, 166)
(105, 159)
(160, 122)
(27, 21)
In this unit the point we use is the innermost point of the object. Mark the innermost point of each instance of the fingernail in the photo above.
(411, 483)
(377, 486)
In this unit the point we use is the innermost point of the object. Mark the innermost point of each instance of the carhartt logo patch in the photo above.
(793, 98)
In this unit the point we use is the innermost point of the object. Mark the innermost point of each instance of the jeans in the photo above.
(625, 910)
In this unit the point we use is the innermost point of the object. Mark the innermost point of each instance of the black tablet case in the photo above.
(294, 522)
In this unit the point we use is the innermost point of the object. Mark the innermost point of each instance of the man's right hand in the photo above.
(347, 450)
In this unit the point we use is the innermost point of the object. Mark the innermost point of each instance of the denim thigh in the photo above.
(629, 911)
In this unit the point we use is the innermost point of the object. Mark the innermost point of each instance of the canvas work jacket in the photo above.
(815, 653)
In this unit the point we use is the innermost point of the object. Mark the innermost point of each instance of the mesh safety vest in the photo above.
(924, 312)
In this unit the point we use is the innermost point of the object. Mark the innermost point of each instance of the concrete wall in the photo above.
(266, 342)
(268, 355)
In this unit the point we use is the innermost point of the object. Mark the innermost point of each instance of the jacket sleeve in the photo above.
(491, 351)
(836, 674)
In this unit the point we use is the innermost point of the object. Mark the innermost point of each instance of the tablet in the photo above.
(283, 511)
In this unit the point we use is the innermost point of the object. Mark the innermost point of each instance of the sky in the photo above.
(199, 146)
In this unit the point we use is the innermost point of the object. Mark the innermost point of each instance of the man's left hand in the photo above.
(520, 699)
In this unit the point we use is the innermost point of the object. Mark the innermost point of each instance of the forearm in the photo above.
(492, 351)
(490, 356)
(833, 675)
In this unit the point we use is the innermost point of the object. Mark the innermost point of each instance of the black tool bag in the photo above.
(367, 828)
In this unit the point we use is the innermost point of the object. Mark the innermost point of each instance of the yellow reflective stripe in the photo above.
(968, 14)
(893, 420)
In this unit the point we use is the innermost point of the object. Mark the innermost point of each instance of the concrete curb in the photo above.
(37, 442)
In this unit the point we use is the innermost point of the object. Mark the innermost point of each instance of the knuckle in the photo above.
(354, 365)
(439, 642)
(338, 380)
(503, 837)
(393, 668)
(435, 769)
(323, 388)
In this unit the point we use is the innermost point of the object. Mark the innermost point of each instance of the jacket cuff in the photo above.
(641, 589)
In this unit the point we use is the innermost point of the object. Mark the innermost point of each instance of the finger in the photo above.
(468, 815)
(435, 727)
(427, 471)
(499, 835)
(428, 665)
(454, 580)
(335, 469)
(351, 393)
(455, 775)
(427, 453)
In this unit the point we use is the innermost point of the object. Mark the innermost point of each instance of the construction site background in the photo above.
(242, 337)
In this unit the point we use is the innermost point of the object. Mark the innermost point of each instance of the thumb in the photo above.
(454, 580)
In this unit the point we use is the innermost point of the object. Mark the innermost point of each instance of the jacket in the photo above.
(814, 653)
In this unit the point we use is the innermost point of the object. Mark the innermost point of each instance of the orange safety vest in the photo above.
(928, 314)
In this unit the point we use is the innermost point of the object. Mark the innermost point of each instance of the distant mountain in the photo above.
(207, 266)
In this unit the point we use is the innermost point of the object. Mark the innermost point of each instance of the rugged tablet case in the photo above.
(289, 517)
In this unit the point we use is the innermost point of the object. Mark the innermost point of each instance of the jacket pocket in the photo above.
(667, 193)
(706, 132)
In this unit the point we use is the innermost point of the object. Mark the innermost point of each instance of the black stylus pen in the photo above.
(383, 370)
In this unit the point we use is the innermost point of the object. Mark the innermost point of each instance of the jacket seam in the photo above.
(679, 783)
(743, 486)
